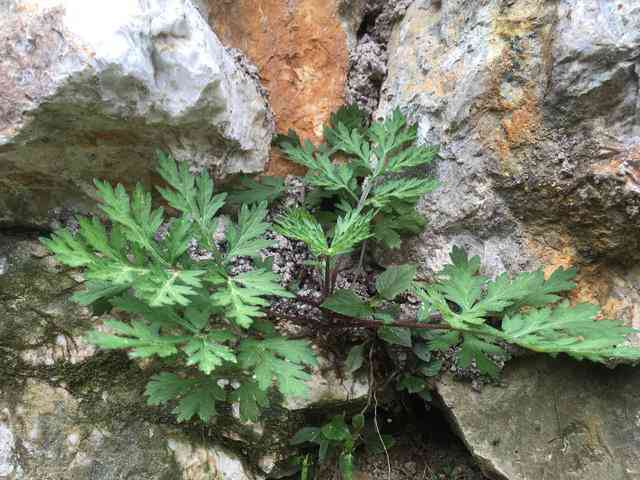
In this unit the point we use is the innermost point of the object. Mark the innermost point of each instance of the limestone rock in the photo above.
(92, 89)
(551, 419)
(534, 105)
(46, 434)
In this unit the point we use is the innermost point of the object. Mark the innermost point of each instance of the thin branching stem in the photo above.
(326, 291)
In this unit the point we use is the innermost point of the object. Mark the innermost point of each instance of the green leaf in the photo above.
(573, 330)
(207, 354)
(476, 348)
(95, 235)
(191, 195)
(410, 157)
(403, 189)
(251, 400)
(358, 421)
(194, 396)
(323, 450)
(306, 434)
(250, 190)
(351, 229)
(541, 292)
(346, 465)
(322, 172)
(242, 296)
(244, 238)
(463, 286)
(278, 359)
(426, 395)
(68, 250)
(395, 280)
(336, 430)
(177, 240)
(355, 358)
(291, 138)
(395, 336)
(444, 340)
(97, 290)
(164, 287)
(351, 117)
(347, 302)
(139, 224)
(422, 351)
(262, 282)
(142, 339)
(385, 233)
(431, 369)
(299, 224)
(411, 384)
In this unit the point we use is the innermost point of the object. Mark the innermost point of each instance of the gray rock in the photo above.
(91, 90)
(534, 106)
(551, 419)
(368, 54)
(45, 434)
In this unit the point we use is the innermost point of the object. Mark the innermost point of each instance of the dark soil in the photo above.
(425, 449)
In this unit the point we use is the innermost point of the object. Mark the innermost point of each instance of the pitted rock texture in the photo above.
(369, 56)
(91, 90)
(551, 419)
(534, 105)
(66, 406)
(300, 48)
(45, 434)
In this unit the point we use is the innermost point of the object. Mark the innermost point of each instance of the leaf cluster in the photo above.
(337, 440)
(478, 316)
(526, 310)
(205, 320)
(365, 169)
(208, 323)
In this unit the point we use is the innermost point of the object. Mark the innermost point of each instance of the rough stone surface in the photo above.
(93, 89)
(300, 48)
(56, 389)
(552, 419)
(327, 390)
(368, 57)
(534, 105)
(46, 434)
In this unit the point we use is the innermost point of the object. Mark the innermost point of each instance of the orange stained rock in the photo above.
(593, 283)
(300, 49)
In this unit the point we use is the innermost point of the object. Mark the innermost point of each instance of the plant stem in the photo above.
(327, 277)
(351, 322)
(363, 249)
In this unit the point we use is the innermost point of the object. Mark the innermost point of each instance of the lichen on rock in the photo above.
(538, 132)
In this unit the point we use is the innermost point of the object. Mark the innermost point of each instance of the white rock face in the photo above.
(7, 445)
(92, 89)
(199, 463)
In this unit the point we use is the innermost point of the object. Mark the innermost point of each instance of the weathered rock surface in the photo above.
(91, 90)
(534, 105)
(300, 48)
(368, 58)
(67, 407)
(552, 419)
(45, 433)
